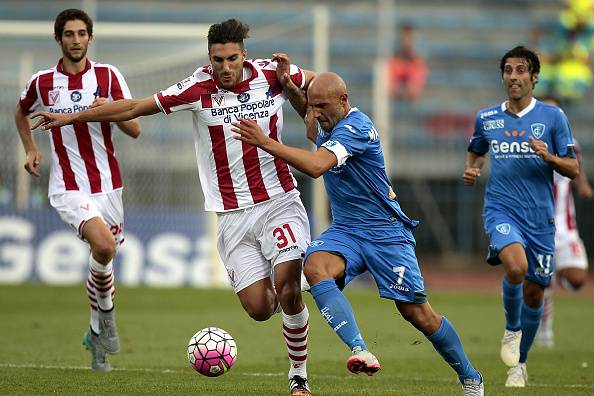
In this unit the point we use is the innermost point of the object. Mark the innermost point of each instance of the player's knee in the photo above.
(260, 314)
(315, 273)
(288, 293)
(515, 273)
(104, 250)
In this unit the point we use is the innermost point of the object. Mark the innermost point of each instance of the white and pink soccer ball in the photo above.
(212, 351)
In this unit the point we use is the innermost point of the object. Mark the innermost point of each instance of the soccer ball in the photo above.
(212, 351)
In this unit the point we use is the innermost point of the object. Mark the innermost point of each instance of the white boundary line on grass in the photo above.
(166, 371)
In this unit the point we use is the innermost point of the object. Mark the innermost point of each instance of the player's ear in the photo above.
(58, 39)
(535, 78)
(244, 53)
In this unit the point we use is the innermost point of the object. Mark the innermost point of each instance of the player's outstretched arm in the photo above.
(130, 128)
(33, 156)
(313, 164)
(474, 163)
(122, 110)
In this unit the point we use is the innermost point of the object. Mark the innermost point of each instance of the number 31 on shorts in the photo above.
(280, 233)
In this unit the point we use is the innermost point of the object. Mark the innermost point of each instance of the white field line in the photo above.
(168, 371)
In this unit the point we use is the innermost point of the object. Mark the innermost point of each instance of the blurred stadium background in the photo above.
(156, 44)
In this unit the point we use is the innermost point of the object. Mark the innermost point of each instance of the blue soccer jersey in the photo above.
(358, 188)
(519, 206)
(521, 182)
(369, 229)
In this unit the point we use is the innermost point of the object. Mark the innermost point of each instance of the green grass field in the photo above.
(41, 351)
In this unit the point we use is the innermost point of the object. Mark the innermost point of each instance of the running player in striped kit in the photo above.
(85, 183)
(571, 260)
(263, 229)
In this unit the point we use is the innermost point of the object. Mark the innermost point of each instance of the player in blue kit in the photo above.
(369, 231)
(526, 140)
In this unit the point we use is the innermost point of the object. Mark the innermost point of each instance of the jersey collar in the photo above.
(60, 68)
(522, 113)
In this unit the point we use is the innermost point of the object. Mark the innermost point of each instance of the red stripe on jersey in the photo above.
(298, 78)
(568, 210)
(275, 86)
(116, 176)
(30, 96)
(46, 84)
(206, 101)
(102, 75)
(85, 148)
(74, 80)
(282, 169)
(116, 88)
(251, 164)
(219, 150)
(67, 172)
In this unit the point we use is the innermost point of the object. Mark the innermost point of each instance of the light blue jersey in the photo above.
(369, 229)
(358, 187)
(521, 182)
(519, 206)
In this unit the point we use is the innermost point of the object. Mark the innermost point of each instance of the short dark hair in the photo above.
(71, 14)
(522, 53)
(229, 31)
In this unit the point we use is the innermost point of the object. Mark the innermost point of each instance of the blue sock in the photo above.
(530, 322)
(446, 341)
(337, 311)
(512, 304)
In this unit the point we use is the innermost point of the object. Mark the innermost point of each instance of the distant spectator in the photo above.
(407, 71)
(567, 50)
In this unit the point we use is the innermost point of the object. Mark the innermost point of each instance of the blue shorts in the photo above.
(388, 255)
(504, 230)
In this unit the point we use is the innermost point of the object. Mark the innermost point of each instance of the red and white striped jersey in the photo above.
(83, 156)
(234, 174)
(564, 205)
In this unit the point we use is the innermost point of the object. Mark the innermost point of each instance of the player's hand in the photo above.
(99, 102)
(50, 120)
(249, 131)
(540, 148)
(584, 190)
(283, 68)
(32, 161)
(471, 175)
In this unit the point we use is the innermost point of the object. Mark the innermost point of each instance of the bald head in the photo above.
(328, 98)
(328, 83)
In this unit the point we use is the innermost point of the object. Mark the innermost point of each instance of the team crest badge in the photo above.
(538, 130)
(53, 97)
(243, 97)
(503, 228)
(218, 99)
(75, 96)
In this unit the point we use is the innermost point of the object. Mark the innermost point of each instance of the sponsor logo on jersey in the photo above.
(75, 96)
(488, 113)
(315, 243)
(503, 228)
(269, 93)
(243, 97)
(493, 124)
(53, 97)
(184, 83)
(538, 130)
(218, 99)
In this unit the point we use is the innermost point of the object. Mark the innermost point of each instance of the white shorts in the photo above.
(570, 252)
(252, 241)
(76, 208)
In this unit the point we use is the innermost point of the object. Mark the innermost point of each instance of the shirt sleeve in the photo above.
(119, 88)
(185, 95)
(478, 144)
(562, 137)
(347, 141)
(29, 99)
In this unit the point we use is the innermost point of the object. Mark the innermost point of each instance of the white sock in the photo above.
(102, 282)
(295, 329)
